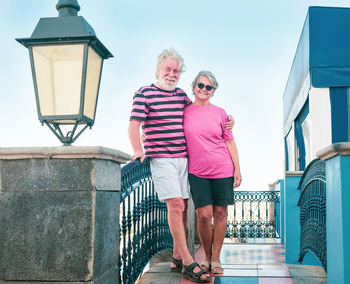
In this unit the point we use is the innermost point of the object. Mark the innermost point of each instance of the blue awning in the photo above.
(322, 59)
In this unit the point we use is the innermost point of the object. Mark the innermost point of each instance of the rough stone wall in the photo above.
(59, 220)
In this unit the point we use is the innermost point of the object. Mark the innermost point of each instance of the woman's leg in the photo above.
(220, 221)
(205, 229)
(223, 196)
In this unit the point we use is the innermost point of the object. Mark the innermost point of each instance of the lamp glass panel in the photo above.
(92, 82)
(64, 121)
(58, 71)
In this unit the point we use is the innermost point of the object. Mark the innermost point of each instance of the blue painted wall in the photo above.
(338, 219)
(292, 219)
(339, 97)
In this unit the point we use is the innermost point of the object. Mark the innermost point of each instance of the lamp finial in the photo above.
(67, 8)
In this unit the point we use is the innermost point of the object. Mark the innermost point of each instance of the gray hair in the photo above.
(172, 54)
(210, 77)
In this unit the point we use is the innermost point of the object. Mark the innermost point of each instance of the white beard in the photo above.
(165, 85)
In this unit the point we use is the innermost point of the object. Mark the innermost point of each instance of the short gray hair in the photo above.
(210, 77)
(172, 54)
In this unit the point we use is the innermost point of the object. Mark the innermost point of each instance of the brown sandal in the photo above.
(206, 264)
(218, 266)
(178, 265)
(194, 276)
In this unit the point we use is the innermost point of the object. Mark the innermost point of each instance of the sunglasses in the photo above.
(207, 87)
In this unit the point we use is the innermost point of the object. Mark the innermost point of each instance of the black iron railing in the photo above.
(253, 215)
(144, 230)
(312, 203)
(143, 221)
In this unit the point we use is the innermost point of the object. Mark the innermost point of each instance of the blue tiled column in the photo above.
(337, 157)
(291, 216)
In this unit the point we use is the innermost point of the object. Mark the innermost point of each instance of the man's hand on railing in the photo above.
(139, 155)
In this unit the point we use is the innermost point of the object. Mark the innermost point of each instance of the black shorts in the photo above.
(206, 191)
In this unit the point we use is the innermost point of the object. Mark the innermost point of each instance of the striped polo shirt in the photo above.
(161, 113)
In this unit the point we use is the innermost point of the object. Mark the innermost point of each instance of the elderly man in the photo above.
(159, 109)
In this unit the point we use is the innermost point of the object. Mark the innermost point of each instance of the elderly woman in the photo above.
(213, 167)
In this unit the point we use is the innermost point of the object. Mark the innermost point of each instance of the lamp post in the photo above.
(66, 60)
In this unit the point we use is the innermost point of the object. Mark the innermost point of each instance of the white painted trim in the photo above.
(297, 104)
(320, 120)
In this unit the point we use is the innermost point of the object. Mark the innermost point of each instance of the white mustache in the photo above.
(170, 78)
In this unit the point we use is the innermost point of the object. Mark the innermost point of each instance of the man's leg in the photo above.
(169, 186)
(176, 210)
(176, 253)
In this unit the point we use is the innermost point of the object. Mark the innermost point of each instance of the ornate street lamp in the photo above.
(66, 59)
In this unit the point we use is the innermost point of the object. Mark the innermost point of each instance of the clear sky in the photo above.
(248, 44)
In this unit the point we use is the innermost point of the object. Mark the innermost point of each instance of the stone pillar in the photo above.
(292, 216)
(191, 226)
(337, 157)
(59, 214)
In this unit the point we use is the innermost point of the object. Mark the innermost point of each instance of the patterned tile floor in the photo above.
(258, 263)
(250, 263)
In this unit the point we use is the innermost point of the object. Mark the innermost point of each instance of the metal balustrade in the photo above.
(312, 203)
(143, 221)
(144, 230)
(253, 215)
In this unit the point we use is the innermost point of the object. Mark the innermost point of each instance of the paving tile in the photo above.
(249, 263)
(236, 280)
(275, 270)
(298, 270)
(309, 280)
(160, 267)
(186, 281)
(240, 266)
(241, 272)
(252, 253)
(151, 278)
(278, 266)
(163, 256)
(276, 281)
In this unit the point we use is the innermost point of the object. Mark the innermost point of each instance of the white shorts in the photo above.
(170, 177)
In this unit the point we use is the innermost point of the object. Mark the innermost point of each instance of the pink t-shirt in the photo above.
(205, 133)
